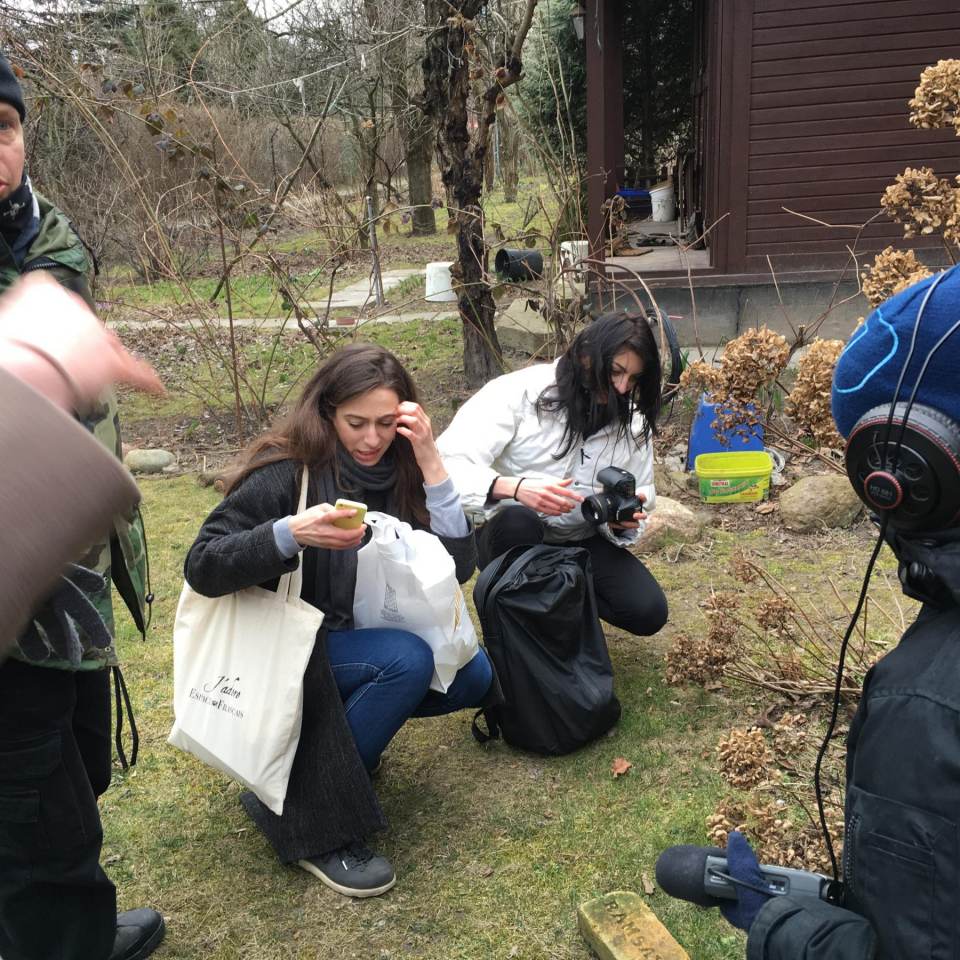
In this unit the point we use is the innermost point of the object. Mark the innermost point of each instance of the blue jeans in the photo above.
(384, 679)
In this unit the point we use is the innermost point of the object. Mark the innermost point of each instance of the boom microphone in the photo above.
(699, 874)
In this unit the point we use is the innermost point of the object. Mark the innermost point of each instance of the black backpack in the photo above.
(540, 627)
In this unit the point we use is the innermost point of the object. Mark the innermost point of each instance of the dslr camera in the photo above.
(617, 501)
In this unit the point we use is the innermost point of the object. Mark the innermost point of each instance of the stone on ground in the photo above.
(670, 522)
(620, 926)
(819, 502)
(148, 461)
(524, 330)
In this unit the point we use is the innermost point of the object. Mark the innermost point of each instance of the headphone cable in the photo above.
(837, 689)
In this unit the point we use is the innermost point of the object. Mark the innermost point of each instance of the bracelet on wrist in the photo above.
(516, 489)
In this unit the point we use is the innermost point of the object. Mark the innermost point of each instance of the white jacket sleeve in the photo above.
(641, 466)
(478, 434)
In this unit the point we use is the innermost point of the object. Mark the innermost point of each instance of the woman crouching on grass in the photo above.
(363, 436)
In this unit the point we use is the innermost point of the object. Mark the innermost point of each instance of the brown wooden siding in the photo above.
(820, 126)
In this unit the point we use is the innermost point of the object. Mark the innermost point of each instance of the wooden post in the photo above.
(605, 145)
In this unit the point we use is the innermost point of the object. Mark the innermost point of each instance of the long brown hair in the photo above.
(308, 436)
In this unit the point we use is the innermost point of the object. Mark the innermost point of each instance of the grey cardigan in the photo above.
(329, 801)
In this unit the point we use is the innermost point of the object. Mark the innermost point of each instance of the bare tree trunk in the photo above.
(450, 50)
(509, 155)
(420, 179)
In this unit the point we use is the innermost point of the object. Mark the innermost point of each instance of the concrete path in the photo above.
(289, 323)
(361, 293)
(357, 296)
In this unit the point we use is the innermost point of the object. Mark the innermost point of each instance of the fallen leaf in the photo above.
(647, 885)
(766, 507)
(620, 766)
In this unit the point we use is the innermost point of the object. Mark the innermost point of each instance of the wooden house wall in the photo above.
(814, 119)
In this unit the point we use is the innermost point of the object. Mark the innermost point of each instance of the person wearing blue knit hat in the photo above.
(871, 363)
(901, 849)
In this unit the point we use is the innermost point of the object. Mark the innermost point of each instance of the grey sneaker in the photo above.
(354, 871)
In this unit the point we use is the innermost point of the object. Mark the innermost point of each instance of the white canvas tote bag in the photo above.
(238, 665)
(406, 580)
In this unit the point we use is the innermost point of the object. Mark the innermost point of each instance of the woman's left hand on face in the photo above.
(414, 424)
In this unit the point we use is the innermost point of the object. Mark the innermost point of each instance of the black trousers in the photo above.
(628, 595)
(56, 903)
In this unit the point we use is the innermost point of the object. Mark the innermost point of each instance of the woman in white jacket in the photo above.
(526, 450)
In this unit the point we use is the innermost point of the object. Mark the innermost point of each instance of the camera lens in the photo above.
(594, 509)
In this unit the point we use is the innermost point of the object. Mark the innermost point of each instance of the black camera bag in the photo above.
(540, 627)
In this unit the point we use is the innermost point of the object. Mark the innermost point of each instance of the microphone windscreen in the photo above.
(680, 872)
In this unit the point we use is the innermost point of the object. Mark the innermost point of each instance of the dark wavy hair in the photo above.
(308, 436)
(583, 393)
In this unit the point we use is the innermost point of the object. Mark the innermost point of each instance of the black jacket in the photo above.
(901, 863)
(330, 801)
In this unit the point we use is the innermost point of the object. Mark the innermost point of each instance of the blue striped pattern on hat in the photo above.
(868, 369)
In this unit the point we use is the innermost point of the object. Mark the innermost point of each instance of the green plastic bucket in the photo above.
(733, 477)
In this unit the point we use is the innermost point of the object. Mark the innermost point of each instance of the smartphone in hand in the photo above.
(350, 523)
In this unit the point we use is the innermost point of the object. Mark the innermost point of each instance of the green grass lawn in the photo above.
(494, 849)
(252, 295)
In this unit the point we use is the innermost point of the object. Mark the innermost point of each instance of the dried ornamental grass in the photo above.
(892, 271)
(790, 735)
(750, 364)
(773, 835)
(696, 660)
(920, 200)
(702, 660)
(752, 361)
(744, 758)
(936, 101)
(809, 400)
(774, 614)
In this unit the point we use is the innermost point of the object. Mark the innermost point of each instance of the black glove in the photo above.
(742, 865)
(53, 634)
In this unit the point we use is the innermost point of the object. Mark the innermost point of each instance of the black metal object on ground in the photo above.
(519, 264)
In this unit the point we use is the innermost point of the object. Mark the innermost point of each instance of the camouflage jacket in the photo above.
(122, 558)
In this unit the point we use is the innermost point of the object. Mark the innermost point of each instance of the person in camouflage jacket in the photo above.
(55, 749)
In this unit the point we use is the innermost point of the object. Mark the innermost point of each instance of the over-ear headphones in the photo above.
(907, 468)
(902, 458)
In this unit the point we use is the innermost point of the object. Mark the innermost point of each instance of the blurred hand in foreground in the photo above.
(50, 339)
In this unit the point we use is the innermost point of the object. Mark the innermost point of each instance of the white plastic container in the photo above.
(572, 252)
(439, 282)
(664, 206)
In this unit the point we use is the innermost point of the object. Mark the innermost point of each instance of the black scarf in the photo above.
(335, 571)
(19, 221)
(382, 476)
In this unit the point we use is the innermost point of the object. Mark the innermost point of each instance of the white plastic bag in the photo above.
(406, 580)
(238, 665)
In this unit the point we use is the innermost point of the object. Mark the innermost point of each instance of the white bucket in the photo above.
(439, 282)
(664, 206)
(572, 252)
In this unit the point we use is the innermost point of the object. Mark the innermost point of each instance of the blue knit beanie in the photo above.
(868, 369)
